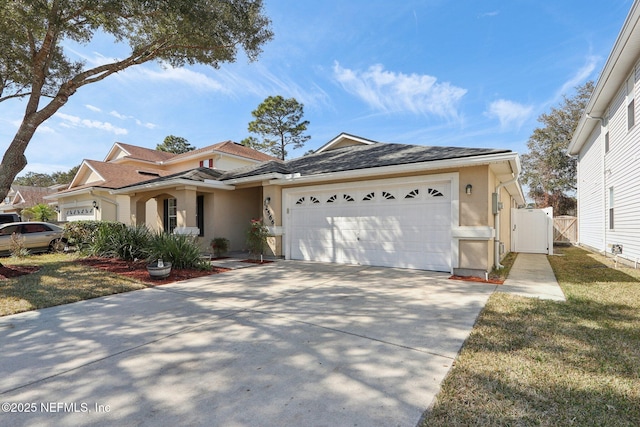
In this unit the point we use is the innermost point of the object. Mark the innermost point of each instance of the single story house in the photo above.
(607, 145)
(353, 201)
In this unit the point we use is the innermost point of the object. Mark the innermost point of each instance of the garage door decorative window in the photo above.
(434, 192)
(388, 195)
(348, 198)
(412, 194)
(369, 196)
(332, 198)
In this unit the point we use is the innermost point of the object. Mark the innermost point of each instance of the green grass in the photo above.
(507, 263)
(531, 362)
(60, 280)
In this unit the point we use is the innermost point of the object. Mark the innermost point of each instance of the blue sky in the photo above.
(465, 73)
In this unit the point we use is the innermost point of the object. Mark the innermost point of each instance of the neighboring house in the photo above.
(22, 197)
(354, 201)
(607, 144)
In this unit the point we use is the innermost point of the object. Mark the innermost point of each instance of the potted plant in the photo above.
(220, 246)
(159, 269)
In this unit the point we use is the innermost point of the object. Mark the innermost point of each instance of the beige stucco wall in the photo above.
(232, 214)
(475, 210)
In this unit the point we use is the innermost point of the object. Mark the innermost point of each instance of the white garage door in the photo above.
(407, 226)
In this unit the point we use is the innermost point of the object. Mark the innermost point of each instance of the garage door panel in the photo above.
(375, 226)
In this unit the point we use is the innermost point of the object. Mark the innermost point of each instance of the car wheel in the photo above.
(57, 245)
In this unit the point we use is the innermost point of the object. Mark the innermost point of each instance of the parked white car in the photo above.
(38, 236)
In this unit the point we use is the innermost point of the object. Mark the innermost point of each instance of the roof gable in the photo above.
(344, 140)
(112, 175)
(226, 147)
(123, 151)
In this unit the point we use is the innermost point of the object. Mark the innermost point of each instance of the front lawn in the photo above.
(545, 363)
(60, 280)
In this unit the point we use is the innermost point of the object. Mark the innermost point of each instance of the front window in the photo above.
(170, 215)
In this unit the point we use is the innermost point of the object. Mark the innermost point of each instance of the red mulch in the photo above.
(477, 279)
(9, 271)
(138, 270)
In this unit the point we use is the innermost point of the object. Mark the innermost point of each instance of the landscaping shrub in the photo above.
(16, 246)
(220, 246)
(181, 250)
(257, 234)
(81, 234)
(116, 240)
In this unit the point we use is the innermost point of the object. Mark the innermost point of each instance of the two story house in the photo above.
(607, 145)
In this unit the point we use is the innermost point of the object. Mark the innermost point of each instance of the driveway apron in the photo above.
(282, 344)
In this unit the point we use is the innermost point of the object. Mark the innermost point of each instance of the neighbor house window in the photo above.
(170, 215)
(611, 222)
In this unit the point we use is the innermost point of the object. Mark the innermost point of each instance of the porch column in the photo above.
(187, 206)
(138, 211)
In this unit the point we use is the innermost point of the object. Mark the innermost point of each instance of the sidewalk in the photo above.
(236, 260)
(531, 276)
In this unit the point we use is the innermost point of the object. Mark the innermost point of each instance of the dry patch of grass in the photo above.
(60, 280)
(545, 363)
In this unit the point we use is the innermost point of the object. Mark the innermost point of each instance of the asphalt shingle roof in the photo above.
(361, 157)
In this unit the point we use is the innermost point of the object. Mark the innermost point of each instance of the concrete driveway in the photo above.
(284, 344)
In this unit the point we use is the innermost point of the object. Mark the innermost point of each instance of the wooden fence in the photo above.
(565, 229)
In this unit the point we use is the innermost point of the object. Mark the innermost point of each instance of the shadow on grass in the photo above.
(536, 362)
(59, 280)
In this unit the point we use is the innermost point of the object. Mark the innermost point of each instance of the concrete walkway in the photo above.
(531, 276)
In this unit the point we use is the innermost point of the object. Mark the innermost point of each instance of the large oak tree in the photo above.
(35, 67)
(548, 170)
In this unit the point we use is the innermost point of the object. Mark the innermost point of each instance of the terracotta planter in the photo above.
(159, 272)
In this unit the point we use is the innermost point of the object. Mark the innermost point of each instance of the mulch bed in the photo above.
(477, 279)
(9, 271)
(138, 270)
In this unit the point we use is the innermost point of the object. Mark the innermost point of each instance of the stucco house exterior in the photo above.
(607, 145)
(353, 201)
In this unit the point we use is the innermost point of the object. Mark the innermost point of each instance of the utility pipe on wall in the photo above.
(496, 222)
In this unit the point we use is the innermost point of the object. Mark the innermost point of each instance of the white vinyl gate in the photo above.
(406, 226)
(532, 231)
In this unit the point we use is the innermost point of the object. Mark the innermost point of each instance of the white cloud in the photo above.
(579, 77)
(114, 113)
(389, 91)
(146, 125)
(75, 121)
(93, 108)
(489, 14)
(182, 75)
(511, 114)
